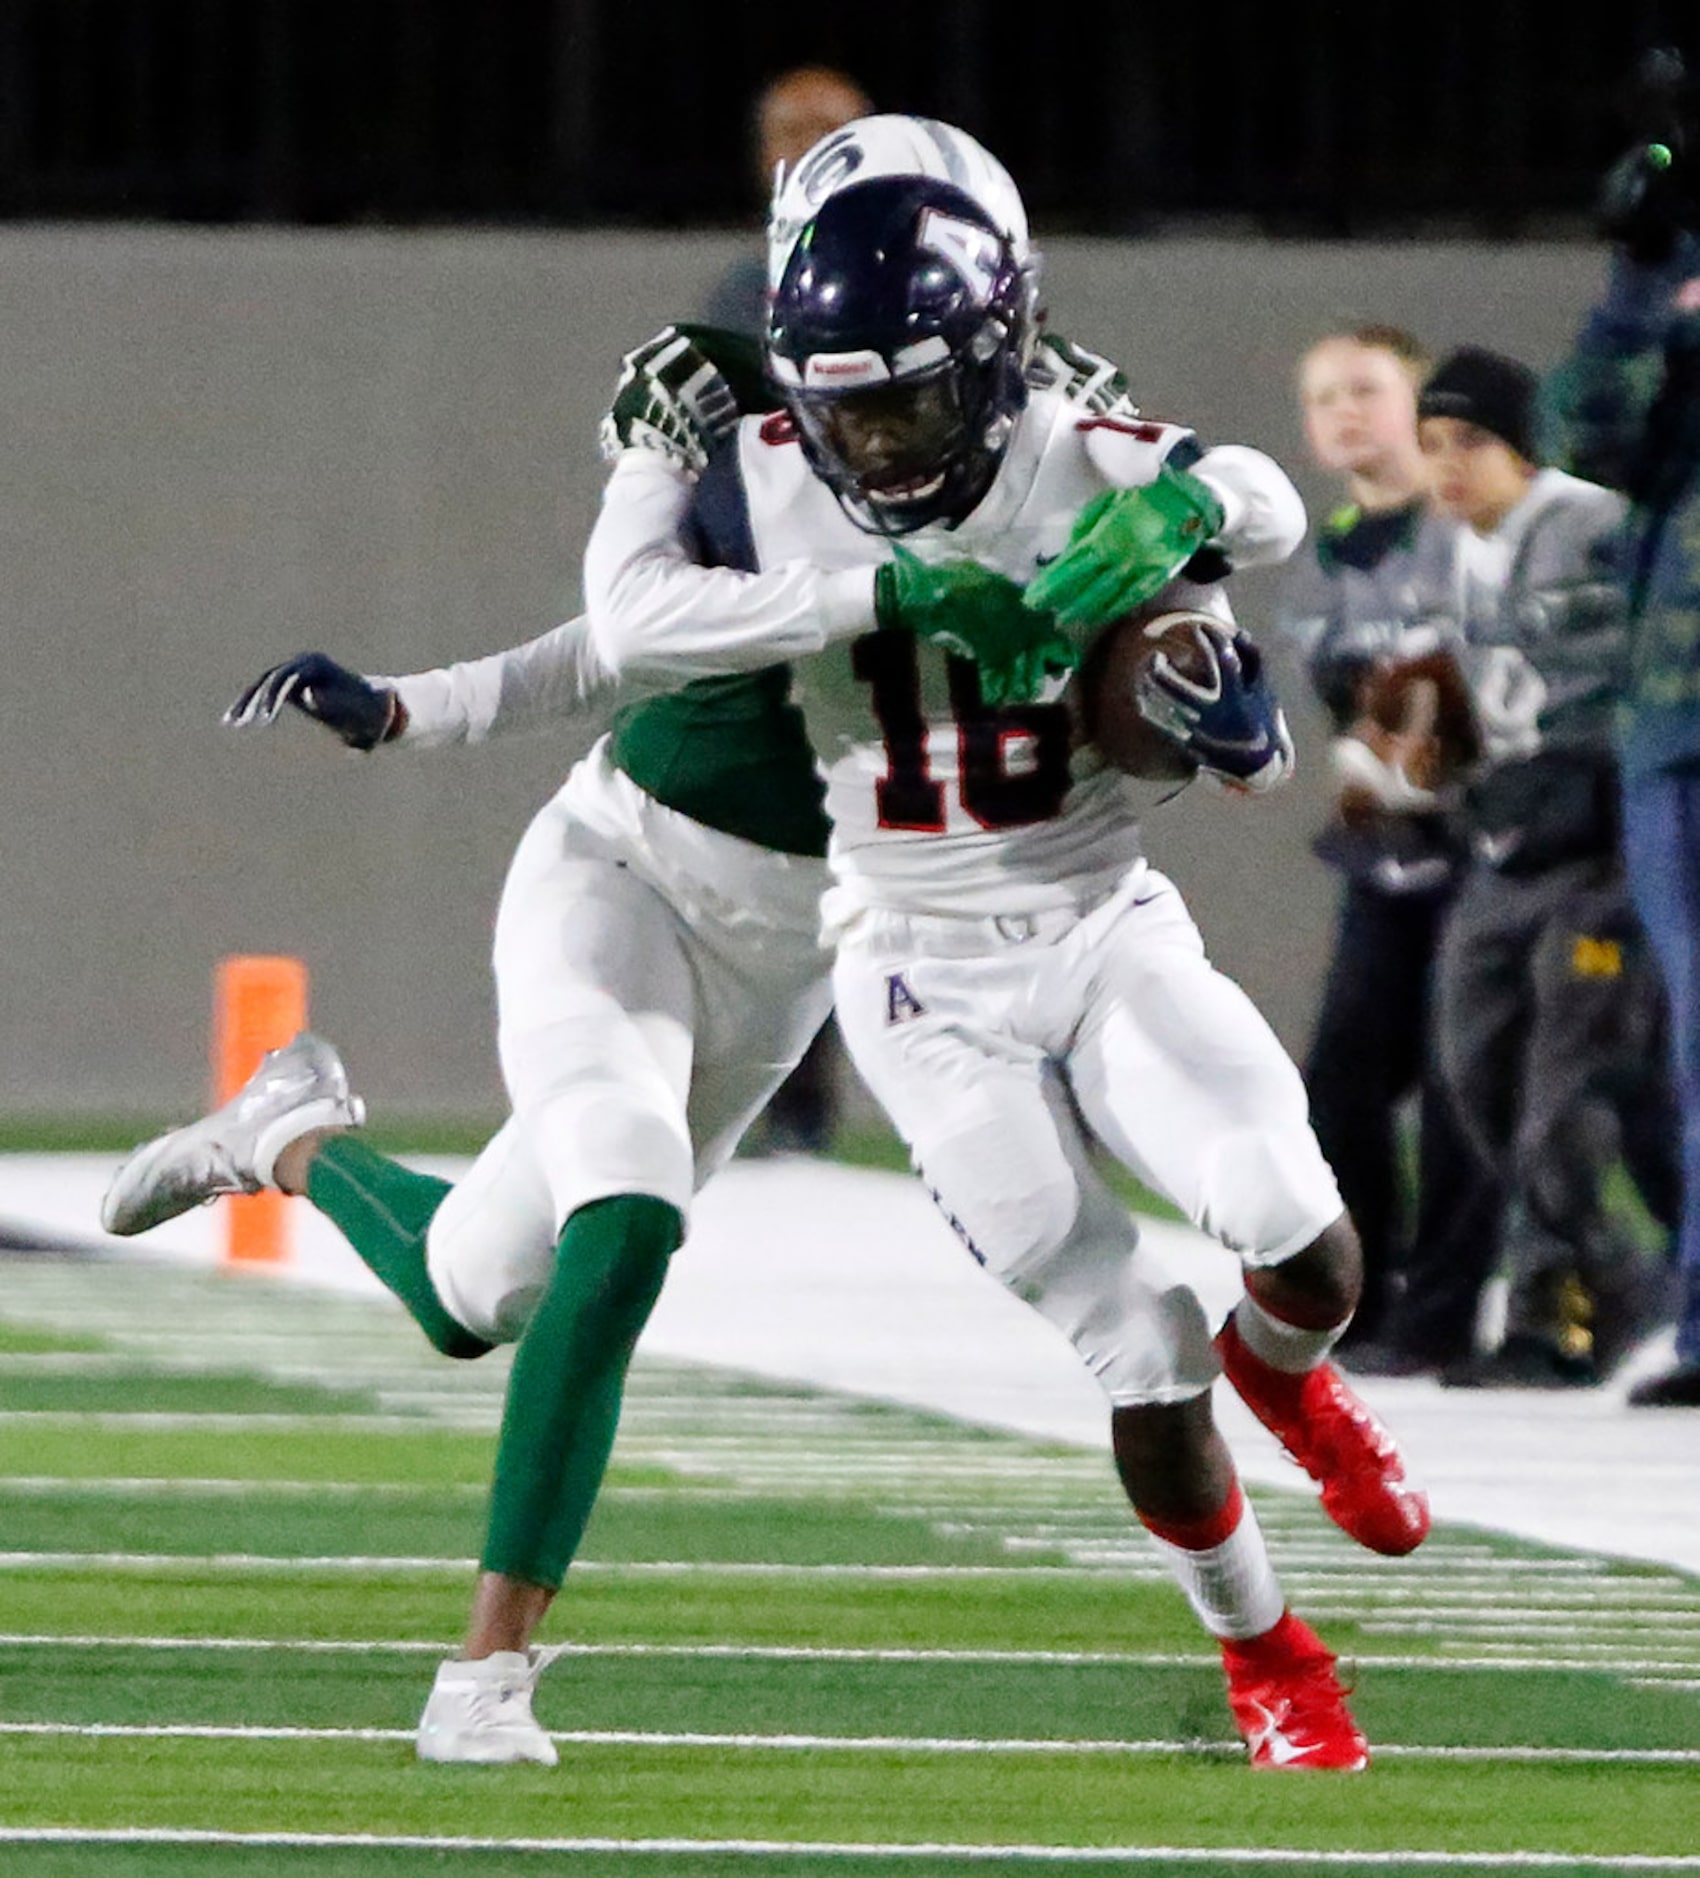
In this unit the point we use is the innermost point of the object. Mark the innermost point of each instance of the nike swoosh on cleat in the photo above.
(1269, 1740)
(1284, 1752)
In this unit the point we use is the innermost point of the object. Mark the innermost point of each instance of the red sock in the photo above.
(1199, 1535)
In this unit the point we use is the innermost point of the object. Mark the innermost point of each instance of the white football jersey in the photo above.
(938, 802)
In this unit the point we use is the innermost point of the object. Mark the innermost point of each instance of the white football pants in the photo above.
(655, 981)
(1003, 1049)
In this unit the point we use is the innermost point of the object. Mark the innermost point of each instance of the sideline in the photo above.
(846, 1278)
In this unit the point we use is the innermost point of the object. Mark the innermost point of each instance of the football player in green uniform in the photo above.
(658, 970)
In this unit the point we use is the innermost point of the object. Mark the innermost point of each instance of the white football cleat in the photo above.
(296, 1089)
(481, 1711)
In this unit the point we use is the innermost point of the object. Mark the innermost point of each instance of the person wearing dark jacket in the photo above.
(1626, 410)
(1348, 607)
(790, 114)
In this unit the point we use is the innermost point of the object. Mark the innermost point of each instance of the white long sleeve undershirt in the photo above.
(654, 611)
(556, 677)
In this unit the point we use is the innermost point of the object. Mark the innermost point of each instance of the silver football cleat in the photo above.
(481, 1711)
(296, 1089)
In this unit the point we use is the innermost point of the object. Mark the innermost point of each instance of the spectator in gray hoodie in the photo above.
(1549, 1012)
(1350, 603)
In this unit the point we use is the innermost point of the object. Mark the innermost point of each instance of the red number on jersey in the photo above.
(1138, 428)
(1013, 758)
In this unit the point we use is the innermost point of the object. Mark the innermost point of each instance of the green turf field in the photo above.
(808, 1637)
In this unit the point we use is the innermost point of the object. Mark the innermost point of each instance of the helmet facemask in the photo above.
(898, 340)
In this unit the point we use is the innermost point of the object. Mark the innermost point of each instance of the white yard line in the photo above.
(850, 1744)
(676, 1568)
(153, 1486)
(1603, 1614)
(1449, 1571)
(970, 1852)
(1645, 1670)
(223, 1422)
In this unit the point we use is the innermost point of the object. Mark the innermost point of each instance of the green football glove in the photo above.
(1126, 545)
(1024, 678)
(976, 613)
(682, 393)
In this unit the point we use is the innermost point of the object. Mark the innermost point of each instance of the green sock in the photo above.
(383, 1210)
(568, 1377)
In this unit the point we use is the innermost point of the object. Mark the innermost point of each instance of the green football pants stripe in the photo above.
(568, 1379)
(384, 1210)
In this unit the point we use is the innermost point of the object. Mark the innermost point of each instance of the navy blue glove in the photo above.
(1230, 722)
(362, 714)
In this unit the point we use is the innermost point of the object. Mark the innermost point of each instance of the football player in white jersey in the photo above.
(1015, 985)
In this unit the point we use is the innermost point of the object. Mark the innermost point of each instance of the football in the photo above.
(1108, 688)
(1418, 713)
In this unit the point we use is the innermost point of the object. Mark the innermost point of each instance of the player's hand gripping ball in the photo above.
(1116, 674)
(1180, 690)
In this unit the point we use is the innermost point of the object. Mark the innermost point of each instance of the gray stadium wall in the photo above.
(225, 447)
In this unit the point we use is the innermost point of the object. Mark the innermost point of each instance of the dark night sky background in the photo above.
(1308, 117)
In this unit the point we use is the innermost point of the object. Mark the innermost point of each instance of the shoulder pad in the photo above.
(1082, 377)
(681, 394)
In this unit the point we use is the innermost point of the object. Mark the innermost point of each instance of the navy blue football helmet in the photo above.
(898, 338)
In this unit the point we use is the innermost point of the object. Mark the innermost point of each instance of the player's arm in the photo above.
(1170, 507)
(678, 396)
(654, 610)
(657, 611)
(553, 678)
(1260, 506)
(1263, 514)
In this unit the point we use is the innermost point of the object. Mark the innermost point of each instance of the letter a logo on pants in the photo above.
(901, 1003)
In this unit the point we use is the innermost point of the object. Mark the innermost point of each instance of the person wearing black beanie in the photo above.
(1547, 1010)
(1476, 427)
(1486, 389)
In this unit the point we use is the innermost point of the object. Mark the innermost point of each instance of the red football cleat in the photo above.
(1337, 1441)
(1288, 1703)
